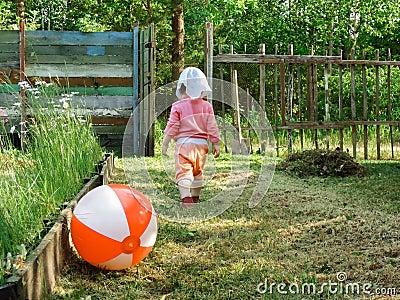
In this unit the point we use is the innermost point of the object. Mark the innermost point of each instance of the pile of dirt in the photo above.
(322, 163)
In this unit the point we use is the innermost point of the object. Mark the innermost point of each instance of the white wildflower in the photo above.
(12, 129)
(24, 84)
(34, 91)
(65, 105)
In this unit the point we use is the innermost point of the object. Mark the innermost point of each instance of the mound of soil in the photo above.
(322, 163)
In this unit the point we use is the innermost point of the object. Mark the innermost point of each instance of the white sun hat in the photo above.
(195, 82)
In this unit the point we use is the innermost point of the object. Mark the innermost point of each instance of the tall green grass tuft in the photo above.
(61, 149)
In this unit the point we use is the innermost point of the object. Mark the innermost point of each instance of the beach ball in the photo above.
(113, 227)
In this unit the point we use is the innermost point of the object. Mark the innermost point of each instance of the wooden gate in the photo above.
(108, 74)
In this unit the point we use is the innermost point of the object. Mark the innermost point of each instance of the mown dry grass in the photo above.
(306, 230)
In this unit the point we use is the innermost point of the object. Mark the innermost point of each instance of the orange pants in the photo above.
(190, 160)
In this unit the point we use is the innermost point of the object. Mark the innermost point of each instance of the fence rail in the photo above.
(314, 93)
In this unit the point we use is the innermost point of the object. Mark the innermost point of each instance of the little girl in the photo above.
(191, 124)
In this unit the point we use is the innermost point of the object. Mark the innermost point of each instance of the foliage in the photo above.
(325, 25)
(370, 93)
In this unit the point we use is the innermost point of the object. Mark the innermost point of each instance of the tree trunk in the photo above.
(178, 42)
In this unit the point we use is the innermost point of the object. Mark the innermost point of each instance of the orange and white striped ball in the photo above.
(113, 227)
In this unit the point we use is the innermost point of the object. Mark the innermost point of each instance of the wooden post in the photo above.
(340, 83)
(290, 100)
(327, 116)
(365, 107)
(21, 15)
(209, 56)
(142, 82)
(314, 97)
(151, 88)
(231, 51)
(378, 129)
(262, 100)
(136, 89)
(389, 109)
(282, 84)
(221, 75)
(309, 93)
(237, 105)
(299, 95)
(276, 100)
(147, 78)
(353, 105)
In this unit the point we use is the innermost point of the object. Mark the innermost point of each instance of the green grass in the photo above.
(304, 231)
(61, 151)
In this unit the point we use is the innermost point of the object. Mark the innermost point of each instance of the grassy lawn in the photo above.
(304, 232)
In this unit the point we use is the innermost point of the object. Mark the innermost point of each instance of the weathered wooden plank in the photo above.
(257, 58)
(9, 88)
(9, 75)
(103, 102)
(88, 102)
(96, 82)
(82, 91)
(300, 59)
(101, 91)
(8, 101)
(78, 59)
(9, 48)
(7, 56)
(369, 62)
(61, 70)
(316, 125)
(119, 50)
(9, 36)
(9, 65)
(110, 129)
(78, 38)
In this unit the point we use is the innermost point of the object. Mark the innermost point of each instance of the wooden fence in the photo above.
(313, 93)
(111, 72)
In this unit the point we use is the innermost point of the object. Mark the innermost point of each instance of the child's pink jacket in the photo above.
(192, 118)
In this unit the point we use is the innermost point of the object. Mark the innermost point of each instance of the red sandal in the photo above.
(187, 202)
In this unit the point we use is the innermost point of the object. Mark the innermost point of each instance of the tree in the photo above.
(178, 41)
